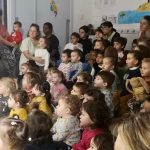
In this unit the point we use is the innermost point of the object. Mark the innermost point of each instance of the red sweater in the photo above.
(87, 135)
(15, 37)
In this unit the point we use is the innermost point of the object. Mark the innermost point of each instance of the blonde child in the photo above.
(76, 66)
(67, 128)
(7, 85)
(94, 119)
(12, 135)
(102, 142)
(17, 102)
(103, 82)
(42, 99)
(42, 52)
(58, 88)
(65, 62)
(74, 42)
(79, 89)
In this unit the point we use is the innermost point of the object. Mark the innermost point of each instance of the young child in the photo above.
(12, 135)
(109, 65)
(16, 35)
(17, 102)
(79, 89)
(74, 42)
(42, 52)
(102, 142)
(42, 99)
(84, 77)
(65, 61)
(145, 70)
(67, 128)
(98, 34)
(119, 44)
(76, 66)
(94, 119)
(58, 88)
(104, 81)
(38, 132)
(7, 85)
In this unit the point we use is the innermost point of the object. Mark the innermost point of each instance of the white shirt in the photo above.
(73, 46)
(44, 54)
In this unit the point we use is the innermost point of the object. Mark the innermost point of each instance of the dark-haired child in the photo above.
(17, 102)
(103, 82)
(74, 42)
(119, 44)
(76, 66)
(79, 89)
(67, 127)
(84, 77)
(42, 99)
(65, 61)
(94, 119)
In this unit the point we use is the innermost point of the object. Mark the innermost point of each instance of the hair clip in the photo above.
(13, 123)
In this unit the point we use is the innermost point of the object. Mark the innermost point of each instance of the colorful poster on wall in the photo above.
(129, 16)
(53, 7)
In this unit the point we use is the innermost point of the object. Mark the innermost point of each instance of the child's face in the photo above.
(76, 91)
(24, 69)
(107, 65)
(35, 91)
(64, 58)
(92, 145)
(62, 108)
(131, 61)
(55, 78)
(85, 120)
(74, 40)
(26, 85)
(74, 57)
(92, 55)
(99, 83)
(79, 79)
(16, 27)
(99, 59)
(87, 98)
(118, 46)
(11, 102)
(99, 45)
(49, 76)
(145, 69)
(147, 106)
(98, 35)
(42, 43)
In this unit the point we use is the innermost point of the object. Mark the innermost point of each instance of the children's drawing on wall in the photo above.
(53, 7)
(134, 16)
(104, 3)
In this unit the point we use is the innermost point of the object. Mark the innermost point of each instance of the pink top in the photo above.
(87, 135)
(57, 91)
(15, 37)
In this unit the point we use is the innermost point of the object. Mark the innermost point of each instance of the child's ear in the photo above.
(136, 61)
(81, 96)
(112, 67)
(105, 84)
(68, 111)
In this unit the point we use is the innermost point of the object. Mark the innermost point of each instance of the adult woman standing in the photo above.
(29, 44)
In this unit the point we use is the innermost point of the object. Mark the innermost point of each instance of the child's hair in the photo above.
(73, 102)
(67, 52)
(99, 30)
(135, 128)
(94, 93)
(107, 77)
(86, 77)
(112, 60)
(9, 83)
(121, 40)
(144, 50)
(20, 96)
(107, 24)
(98, 112)
(137, 55)
(81, 86)
(39, 125)
(104, 141)
(50, 26)
(18, 23)
(51, 70)
(25, 64)
(146, 60)
(13, 133)
(85, 28)
(60, 75)
(99, 53)
(78, 52)
(75, 34)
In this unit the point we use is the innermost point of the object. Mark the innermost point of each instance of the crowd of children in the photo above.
(74, 103)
